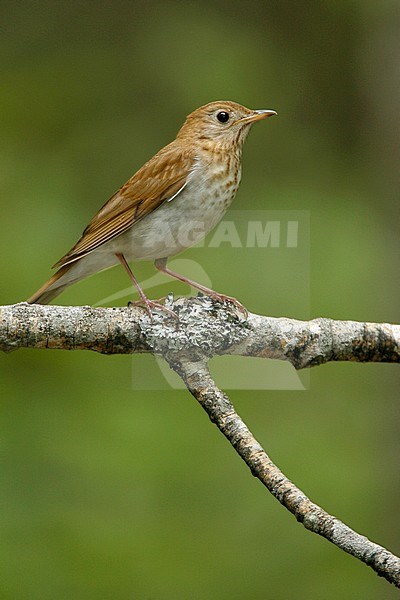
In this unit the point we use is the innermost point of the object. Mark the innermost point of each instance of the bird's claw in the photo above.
(230, 300)
(148, 305)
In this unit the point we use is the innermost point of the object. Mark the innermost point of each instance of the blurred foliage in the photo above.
(111, 491)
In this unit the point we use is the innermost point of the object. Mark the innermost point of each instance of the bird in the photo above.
(169, 204)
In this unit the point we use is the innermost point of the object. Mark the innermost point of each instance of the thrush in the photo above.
(171, 203)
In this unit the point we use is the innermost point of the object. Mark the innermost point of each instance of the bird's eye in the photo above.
(223, 116)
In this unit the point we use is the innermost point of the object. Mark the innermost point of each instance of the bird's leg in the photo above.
(148, 304)
(161, 265)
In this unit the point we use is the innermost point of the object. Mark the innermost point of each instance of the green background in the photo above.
(109, 491)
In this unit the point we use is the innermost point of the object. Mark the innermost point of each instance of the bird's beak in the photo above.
(257, 115)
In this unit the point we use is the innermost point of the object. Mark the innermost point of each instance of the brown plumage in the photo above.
(194, 177)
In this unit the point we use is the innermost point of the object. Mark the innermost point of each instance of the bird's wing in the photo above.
(159, 180)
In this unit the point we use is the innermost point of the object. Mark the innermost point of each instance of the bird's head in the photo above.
(221, 122)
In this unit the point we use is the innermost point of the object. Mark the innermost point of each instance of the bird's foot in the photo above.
(148, 305)
(230, 300)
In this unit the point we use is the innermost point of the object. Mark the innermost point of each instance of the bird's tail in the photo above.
(53, 287)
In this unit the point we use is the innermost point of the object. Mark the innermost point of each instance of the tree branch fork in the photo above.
(205, 328)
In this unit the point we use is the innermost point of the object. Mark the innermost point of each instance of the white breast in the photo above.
(186, 219)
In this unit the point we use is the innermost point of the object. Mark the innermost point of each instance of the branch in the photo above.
(205, 328)
(221, 412)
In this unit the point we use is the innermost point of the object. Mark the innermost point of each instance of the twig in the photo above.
(221, 412)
